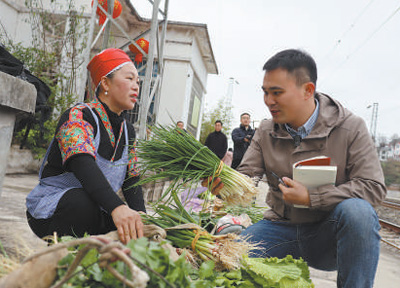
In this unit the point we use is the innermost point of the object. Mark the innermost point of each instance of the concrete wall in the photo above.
(7, 120)
(14, 18)
(16, 95)
(173, 93)
(22, 161)
(183, 61)
(198, 64)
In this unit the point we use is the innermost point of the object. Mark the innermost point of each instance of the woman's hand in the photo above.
(128, 222)
(215, 185)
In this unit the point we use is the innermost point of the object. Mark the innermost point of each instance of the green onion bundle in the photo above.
(176, 155)
(225, 251)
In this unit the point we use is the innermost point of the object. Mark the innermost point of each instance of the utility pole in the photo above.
(374, 120)
(229, 93)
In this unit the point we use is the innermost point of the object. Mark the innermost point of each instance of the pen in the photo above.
(279, 179)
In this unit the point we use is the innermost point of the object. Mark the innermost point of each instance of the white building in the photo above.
(188, 56)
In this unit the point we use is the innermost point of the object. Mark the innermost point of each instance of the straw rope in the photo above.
(196, 238)
(219, 169)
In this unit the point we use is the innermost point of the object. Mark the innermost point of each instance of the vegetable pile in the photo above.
(176, 155)
(225, 251)
(255, 272)
(159, 270)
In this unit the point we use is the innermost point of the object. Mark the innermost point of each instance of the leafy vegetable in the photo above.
(275, 272)
(254, 273)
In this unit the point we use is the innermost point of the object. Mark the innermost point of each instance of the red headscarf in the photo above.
(106, 62)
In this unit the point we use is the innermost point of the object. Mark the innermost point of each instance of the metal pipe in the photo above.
(110, 8)
(161, 61)
(145, 96)
(86, 54)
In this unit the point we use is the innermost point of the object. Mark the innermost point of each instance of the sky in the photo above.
(356, 45)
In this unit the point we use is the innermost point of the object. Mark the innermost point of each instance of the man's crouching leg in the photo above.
(358, 243)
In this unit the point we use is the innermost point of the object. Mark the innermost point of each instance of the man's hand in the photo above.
(128, 222)
(247, 138)
(214, 185)
(294, 193)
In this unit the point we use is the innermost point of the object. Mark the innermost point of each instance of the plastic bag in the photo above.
(232, 224)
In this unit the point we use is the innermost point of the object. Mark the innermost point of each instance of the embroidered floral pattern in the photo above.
(132, 168)
(75, 136)
(104, 118)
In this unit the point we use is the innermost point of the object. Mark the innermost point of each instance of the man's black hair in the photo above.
(298, 63)
(218, 121)
(245, 113)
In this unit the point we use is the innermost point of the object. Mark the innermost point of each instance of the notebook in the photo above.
(314, 172)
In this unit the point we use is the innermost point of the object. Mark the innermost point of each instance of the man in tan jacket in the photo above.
(339, 229)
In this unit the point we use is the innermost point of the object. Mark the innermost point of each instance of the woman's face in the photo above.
(122, 89)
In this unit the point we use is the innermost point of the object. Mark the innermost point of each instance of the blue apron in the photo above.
(42, 201)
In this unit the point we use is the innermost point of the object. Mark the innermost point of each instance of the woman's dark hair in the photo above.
(109, 76)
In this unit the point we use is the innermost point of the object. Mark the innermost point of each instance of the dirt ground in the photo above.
(15, 234)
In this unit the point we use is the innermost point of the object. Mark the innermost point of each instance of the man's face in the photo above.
(284, 98)
(218, 126)
(245, 120)
(180, 125)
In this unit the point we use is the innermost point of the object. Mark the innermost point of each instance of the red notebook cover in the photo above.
(315, 161)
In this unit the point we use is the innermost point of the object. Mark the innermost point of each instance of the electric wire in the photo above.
(374, 32)
(369, 37)
(352, 25)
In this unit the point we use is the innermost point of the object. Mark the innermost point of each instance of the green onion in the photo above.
(226, 251)
(176, 155)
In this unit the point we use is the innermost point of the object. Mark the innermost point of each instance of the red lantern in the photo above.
(144, 44)
(103, 3)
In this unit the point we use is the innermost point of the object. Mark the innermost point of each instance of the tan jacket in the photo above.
(339, 134)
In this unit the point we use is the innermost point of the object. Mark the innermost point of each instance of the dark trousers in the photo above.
(75, 215)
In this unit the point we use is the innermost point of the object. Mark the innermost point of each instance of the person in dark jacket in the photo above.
(241, 139)
(216, 141)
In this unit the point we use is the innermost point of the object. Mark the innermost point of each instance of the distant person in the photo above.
(180, 124)
(241, 139)
(216, 141)
(228, 157)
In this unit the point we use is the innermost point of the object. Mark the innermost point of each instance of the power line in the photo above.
(366, 40)
(352, 25)
(374, 32)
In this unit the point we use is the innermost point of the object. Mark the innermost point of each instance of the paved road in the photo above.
(16, 236)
